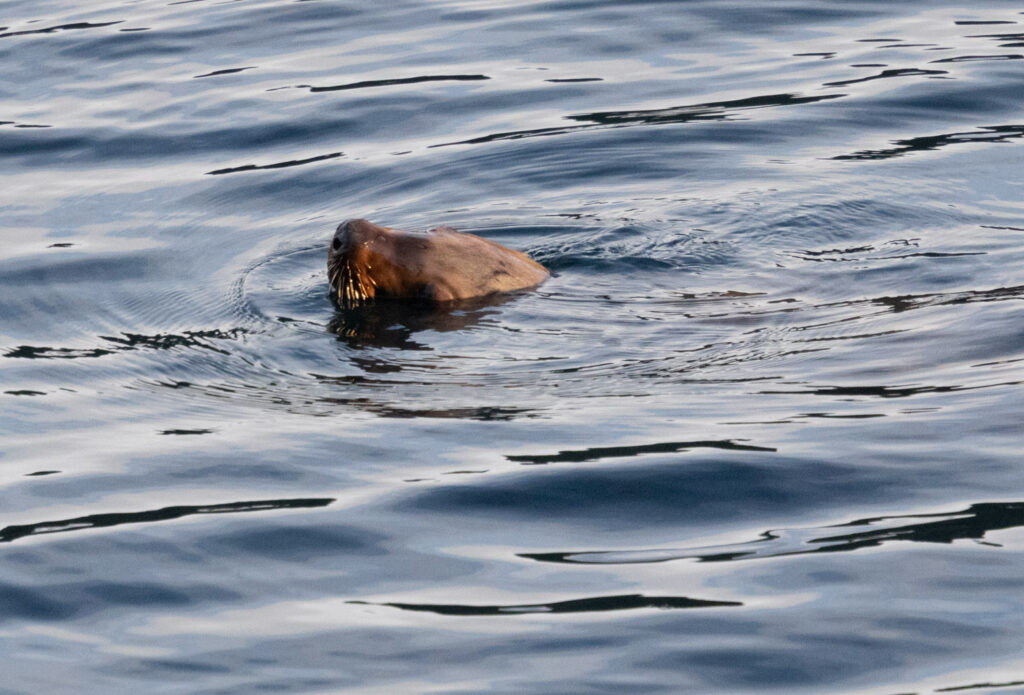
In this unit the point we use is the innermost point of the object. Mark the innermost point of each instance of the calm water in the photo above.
(761, 432)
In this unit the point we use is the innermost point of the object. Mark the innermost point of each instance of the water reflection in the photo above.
(392, 323)
(925, 143)
(714, 110)
(1014, 40)
(885, 74)
(225, 71)
(976, 58)
(600, 604)
(980, 686)
(720, 245)
(887, 391)
(972, 523)
(395, 81)
(595, 453)
(709, 111)
(60, 27)
(131, 341)
(276, 165)
(15, 532)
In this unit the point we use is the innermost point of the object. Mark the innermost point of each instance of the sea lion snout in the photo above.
(347, 233)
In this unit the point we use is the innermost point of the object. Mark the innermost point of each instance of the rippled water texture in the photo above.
(760, 432)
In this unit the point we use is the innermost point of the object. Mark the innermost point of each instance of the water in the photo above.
(759, 433)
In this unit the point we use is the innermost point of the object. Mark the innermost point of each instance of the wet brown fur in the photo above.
(367, 262)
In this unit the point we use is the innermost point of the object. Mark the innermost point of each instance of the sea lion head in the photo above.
(366, 262)
(351, 258)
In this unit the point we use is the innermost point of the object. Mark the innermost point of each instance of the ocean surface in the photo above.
(761, 432)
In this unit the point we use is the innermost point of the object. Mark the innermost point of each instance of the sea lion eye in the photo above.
(336, 244)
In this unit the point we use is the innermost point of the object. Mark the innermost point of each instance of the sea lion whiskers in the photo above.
(351, 285)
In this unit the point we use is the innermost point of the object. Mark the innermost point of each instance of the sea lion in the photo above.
(367, 262)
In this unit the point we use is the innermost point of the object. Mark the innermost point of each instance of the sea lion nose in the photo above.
(342, 235)
(350, 233)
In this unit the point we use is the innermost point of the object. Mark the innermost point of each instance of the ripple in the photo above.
(106, 520)
(891, 391)
(976, 58)
(59, 28)
(887, 74)
(925, 143)
(1014, 40)
(276, 165)
(711, 111)
(599, 604)
(593, 454)
(224, 71)
(972, 523)
(395, 81)
(397, 361)
(129, 342)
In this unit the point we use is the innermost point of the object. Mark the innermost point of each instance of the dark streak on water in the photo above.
(59, 27)
(397, 81)
(787, 294)
(583, 605)
(276, 165)
(225, 71)
(973, 523)
(593, 454)
(12, 533)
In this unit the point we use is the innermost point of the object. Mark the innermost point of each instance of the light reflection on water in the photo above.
(783, 326)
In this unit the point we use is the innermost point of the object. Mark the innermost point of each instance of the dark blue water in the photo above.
(761, 432)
